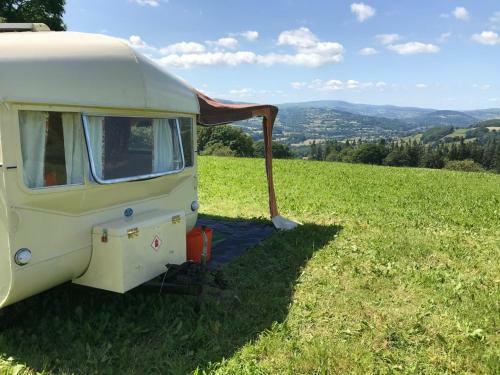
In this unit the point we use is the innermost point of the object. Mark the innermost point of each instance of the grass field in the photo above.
(395, 270)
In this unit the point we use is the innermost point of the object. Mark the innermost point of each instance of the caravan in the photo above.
(98, 181)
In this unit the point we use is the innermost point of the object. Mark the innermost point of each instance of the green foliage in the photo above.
(49, 12)
(397, 157)
(435, 134)
(394, 271)
(370, 153)
(466, 165)
(213, 137)
(410, 153)
(218, 149)
(280, 150)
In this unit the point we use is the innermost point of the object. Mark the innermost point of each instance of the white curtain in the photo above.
(73, 148)
(33, 132)
(163, 151)
(96, 135)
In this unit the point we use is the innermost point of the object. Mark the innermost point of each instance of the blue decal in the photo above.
(128, 212)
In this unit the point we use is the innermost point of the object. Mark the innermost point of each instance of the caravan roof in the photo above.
(69, 68)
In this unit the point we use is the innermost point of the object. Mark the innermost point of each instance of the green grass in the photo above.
(395, 270)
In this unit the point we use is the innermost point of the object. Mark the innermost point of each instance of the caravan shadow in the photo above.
(73, 329)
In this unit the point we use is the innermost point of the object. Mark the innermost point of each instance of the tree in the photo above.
(49, 12)
(432, 159)
(280, 150)
(397, 158)
(370, 153)
(234, 138)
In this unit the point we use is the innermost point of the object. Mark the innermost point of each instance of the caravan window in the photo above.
(132, 148)
(186, 125)
(52, 148)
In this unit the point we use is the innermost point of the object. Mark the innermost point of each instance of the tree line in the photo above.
(480, 154)
(468, 156)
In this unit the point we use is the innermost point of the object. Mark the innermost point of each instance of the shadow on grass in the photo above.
(73, 329)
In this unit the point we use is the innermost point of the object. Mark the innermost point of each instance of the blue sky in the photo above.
(428, 53)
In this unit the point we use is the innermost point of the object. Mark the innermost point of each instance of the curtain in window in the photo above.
(96, 135)
(73, 148)
(33, 133)
(163, 152)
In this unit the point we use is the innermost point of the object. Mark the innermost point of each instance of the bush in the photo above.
(218, 149)
(466, 165)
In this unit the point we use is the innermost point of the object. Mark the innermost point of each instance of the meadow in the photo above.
(394, 270)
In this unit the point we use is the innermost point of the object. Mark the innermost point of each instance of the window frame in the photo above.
(101, 181)
(50, 188)
(193, 141)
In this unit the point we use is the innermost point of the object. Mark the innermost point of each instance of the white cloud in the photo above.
(298, 85)
(339, 85)
(227, 43)
(362, 11)
(443, 38)
(412, 48)
(490, 38)
(483, 87)
(494, 99)
(183, 47)
(336, 85)
(241, 92)
(368, 51)
(495, 21)
(249, 92)
(151, 3)
(330, 85)
(460, 13)
(352, 84)
(385, 39)
(308, 51)
(250, 35)
(300, 38)
(136, 42)
(189, 60)
(421, 86)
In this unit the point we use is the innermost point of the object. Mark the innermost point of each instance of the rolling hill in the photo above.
(334, 119)
(443, 118)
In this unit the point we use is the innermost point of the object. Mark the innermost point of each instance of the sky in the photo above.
(428, 53)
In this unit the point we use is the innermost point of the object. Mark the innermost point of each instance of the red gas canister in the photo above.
(194, 244)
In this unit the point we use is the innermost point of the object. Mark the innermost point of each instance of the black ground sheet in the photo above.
(232, 237)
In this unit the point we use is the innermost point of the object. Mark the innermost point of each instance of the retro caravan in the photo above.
(98, 169)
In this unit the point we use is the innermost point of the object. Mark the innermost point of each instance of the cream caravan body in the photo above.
(71, 207)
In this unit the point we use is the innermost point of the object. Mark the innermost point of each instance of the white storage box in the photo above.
(131, 251)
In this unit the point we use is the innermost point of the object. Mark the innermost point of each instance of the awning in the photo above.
(213, 112)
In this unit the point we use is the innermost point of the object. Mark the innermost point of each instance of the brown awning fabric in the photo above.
(213, 112)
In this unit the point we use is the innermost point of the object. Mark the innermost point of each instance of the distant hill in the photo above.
(323, 119)
(387, 111)
(488, 124)
(296, 124)
(444, 118)
(485, 114)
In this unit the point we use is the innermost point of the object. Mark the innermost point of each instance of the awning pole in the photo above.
(267, 125)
